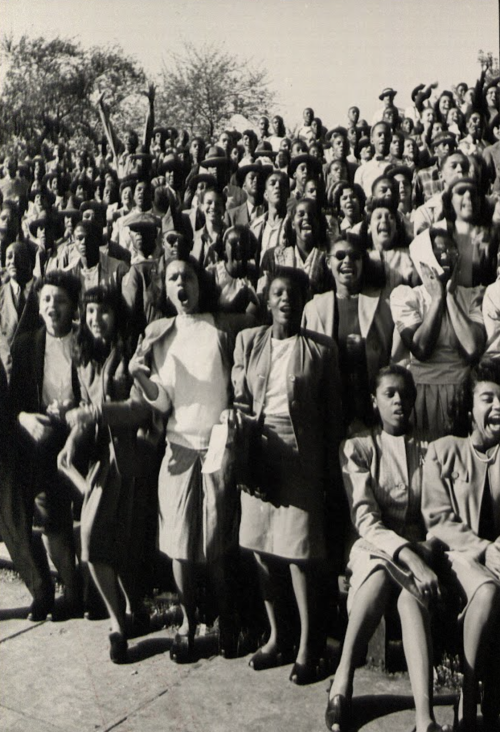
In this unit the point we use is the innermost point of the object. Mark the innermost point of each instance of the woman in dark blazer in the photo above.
(104, 428)
(286, 396)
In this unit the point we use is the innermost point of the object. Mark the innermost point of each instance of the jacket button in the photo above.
(454, 476)
(292, 378)
(293, 403)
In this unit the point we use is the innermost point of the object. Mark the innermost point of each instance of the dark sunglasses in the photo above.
(342, 254)
(173, 239)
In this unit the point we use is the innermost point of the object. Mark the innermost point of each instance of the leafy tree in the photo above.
(47, 87)
(202, 88)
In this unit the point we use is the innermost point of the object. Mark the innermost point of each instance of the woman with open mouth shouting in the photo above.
(440, 324)
(303, 248)
(182, 366)
(358, 318)
(461, 506)
(286, 395)
(387, 242)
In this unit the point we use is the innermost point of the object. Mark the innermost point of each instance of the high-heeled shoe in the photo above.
(304, 673)
(337, 713)
(181, 650)
(263, 660)
(40, 608)
(118, 647)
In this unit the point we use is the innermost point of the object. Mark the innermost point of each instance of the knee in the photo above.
(409, 603)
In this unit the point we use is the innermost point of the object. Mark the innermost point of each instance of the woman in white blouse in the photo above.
(183, 367)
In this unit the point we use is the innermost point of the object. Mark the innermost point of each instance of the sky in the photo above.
(326, 54)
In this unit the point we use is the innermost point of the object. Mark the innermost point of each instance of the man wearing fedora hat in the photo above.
(249, 178)
(387, 98)
(428, 181)
(218, 164)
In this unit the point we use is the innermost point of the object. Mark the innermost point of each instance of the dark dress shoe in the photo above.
(182, 648)
(304, 673)
(228, 642)
(118, 647)
(337, 713)
(66, 610)
(40, 608)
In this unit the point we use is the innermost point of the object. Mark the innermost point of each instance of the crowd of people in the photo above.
(273, 359)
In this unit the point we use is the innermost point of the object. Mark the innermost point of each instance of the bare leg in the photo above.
(371, 601)
(184, 579)
(417, 643)
(480, 620)
(268, 594)
(301, 588)
(108, 584)
(60, 549)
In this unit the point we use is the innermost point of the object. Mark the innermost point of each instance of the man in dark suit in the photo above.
(43, 387)
(250, 180)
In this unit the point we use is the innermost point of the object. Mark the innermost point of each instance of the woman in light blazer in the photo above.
(461, 506)
(358, 318)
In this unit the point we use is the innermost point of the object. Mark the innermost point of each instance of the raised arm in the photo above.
(419, 334)
(471, 335)
(149, 124)
(113, 141)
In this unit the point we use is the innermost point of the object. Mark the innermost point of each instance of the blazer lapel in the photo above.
(368, 304)
(262, 367)
(10, 315)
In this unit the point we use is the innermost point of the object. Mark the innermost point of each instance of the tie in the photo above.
(21, 302)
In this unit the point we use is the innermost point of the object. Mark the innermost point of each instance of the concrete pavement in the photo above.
(58, 677)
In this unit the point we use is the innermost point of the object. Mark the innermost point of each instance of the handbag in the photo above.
(250, 459)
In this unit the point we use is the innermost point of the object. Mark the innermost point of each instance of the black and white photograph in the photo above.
(250, 366)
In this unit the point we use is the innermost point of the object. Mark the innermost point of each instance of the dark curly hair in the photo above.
(66, 281)
(87, 348)
(460, 416)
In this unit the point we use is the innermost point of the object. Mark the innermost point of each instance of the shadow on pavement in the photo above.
(204, 647)
(367, 708)
(14, 613)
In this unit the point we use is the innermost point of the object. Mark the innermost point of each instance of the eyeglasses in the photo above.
(341, 254)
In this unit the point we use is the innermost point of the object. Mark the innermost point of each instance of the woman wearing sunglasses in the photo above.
(359, 319)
